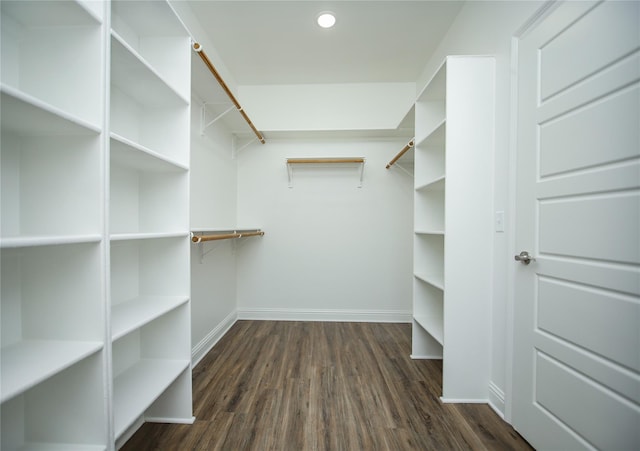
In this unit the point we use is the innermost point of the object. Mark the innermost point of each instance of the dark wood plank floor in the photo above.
(276, 385)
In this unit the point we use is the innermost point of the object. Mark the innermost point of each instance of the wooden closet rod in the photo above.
(324, 160)
(225, 236)
(401, 153)
(198, 49)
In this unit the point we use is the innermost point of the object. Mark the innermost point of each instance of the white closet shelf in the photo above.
(44, 240)
(137, 15)
(134, 76)
(51, 14)
(29, 362)
(325, 162)
(27, 115)
(429, 232)
(435, 280)
(147, 235)
(436, 136)
(82, 205)
(133, 155)
(139, 386)
(436, 184)
(225, 236)
(433, 326)
(224, 229)
(436, 87)
(135, 313)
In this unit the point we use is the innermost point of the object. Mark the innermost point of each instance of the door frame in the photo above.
(536, 19)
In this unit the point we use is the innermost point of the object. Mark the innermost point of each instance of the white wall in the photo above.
(486, 28)
(213, 205)
(213, 179)
(331, 250)
(356, 106)
(324, 228)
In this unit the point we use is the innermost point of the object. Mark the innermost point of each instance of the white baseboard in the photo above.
(373, 316)
(426, 357)
(128, 433)
(496, 399)
(188, 420)
(464, 400)
(205, 345)
(362, 316)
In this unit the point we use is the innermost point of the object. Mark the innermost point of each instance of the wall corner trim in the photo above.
(496, 399)
(209, 341)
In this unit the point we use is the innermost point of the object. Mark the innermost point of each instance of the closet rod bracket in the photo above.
(235, 150)
(203, 117)
(403, 169)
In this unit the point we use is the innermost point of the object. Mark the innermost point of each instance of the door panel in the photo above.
(592, 42)
(561, 388)
(619, 379)
(576, 374)
(558, 301)
(565, 144)
(597, 226)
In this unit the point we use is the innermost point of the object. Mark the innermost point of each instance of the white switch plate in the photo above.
(499, 221)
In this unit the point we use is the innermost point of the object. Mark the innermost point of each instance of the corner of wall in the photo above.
(496, 400)
(208, 342)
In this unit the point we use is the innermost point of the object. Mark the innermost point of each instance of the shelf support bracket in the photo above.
(203, 117)
(234, 146)
(198, 49)
(403, 169)
(290, 174)
(203, 253)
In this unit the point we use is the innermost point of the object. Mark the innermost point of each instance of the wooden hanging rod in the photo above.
(198, 49)
(401, 153)
(225, 236)
(323, 160)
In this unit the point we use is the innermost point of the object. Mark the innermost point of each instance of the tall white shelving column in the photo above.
(149, 216)
(84, 208)
(52, 375)
(454, 224)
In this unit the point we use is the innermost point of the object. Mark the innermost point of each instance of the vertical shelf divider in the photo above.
(454, 142)
(150, 70)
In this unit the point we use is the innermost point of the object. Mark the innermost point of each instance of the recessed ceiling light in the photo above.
(326, 19)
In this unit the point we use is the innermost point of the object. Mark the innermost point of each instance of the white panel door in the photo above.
(576, 379)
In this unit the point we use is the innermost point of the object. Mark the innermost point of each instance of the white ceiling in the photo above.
(279, 42)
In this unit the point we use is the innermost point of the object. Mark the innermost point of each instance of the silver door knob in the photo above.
(524, 258)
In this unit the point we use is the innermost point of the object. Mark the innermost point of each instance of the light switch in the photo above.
(499, 221)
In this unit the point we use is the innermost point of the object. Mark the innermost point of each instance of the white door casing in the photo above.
(576, 355)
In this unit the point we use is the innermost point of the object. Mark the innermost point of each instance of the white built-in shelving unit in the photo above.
(53, 374)
(149, 215)
(95, 222)
(453, 164)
